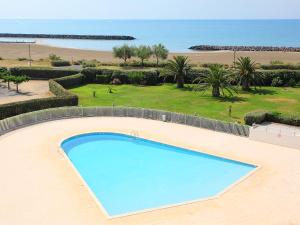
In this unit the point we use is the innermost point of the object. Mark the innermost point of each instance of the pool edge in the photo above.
(102, 208)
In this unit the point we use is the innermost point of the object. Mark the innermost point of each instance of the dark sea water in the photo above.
(177, 35)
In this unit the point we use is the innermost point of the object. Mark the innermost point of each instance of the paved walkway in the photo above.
(39, 186)
(278, 134)
(29, 90)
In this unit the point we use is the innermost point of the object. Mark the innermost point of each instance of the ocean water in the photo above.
(177, 35)
(129, 175)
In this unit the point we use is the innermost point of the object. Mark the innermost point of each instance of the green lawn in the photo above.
(167, 97)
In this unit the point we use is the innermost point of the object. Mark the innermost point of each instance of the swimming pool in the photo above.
(129, 175)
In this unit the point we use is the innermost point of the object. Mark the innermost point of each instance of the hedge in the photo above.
(103, 76)
(71, 81)
(58, 63)
(281, 66)
(259, 117)
(285, 76)
(42, 73)
(16, 108)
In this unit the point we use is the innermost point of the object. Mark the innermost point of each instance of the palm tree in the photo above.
(179, 68)
(218, 79)
(246, 73)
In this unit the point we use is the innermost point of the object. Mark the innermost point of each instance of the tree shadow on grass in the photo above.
(231, 99)
(261, 91)
(186, 88)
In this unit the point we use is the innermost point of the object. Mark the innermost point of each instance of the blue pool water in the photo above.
(177, 35)
(130, 174)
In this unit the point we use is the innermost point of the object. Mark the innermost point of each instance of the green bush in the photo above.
(137, 64)
(42, 73)
(16, 108)
(281, 66)
(257, 117)
(90, 74)
(120, 75)
(284, 75)
(22, 59)
(276, 82)
(71, 81)
(58, 63)
(288, 119)
(103, 79)
(135, 77)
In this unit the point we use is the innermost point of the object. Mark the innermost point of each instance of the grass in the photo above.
(168, 97)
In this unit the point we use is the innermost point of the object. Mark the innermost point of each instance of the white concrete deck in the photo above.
(38, 185)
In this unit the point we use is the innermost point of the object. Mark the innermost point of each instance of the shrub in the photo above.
(90, 74)
(151, 78)
(3, 71)
(86, 64)
(103, 79)
(1, 58)
(135, 77)
(276, 82)
(54, 57)
(59, 63)
(71, 81)
(288, 119)
(42, 73)
(22, 59)
(284, 75)
(291, 83)
(281, 66)
(257, 117)
(121, 76)
(16, 108)
(137, 64)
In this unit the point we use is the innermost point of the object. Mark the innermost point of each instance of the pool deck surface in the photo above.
(39, 186)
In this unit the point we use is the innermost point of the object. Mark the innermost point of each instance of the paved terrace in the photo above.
(38, 185)
(30, 90)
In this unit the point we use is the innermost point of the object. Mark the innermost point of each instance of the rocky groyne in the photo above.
(67, 36)
(244, 48)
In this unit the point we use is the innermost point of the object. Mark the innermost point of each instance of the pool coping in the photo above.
(98, 201)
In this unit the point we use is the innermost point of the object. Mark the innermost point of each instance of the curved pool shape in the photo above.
(129, 175)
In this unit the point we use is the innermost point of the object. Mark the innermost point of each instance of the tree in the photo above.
(54, 57)
(160, 52)
(7, 78)
(143, 52)
(179, 68)
(124, 52)
(246, 73)
(218, 79)
(17, 80)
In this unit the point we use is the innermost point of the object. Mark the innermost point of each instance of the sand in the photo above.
(39, 186)
(13, 51)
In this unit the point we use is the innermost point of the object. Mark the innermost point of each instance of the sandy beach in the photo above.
(13, 51)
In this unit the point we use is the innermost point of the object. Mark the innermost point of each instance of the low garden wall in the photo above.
(27, 119)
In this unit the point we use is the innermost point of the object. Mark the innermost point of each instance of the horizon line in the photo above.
(149, 19)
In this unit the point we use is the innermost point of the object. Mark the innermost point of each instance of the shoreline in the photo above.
(42, 51)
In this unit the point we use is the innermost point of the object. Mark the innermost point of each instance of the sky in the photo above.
(150, 9)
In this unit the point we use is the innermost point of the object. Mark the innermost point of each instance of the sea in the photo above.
(176, 35)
